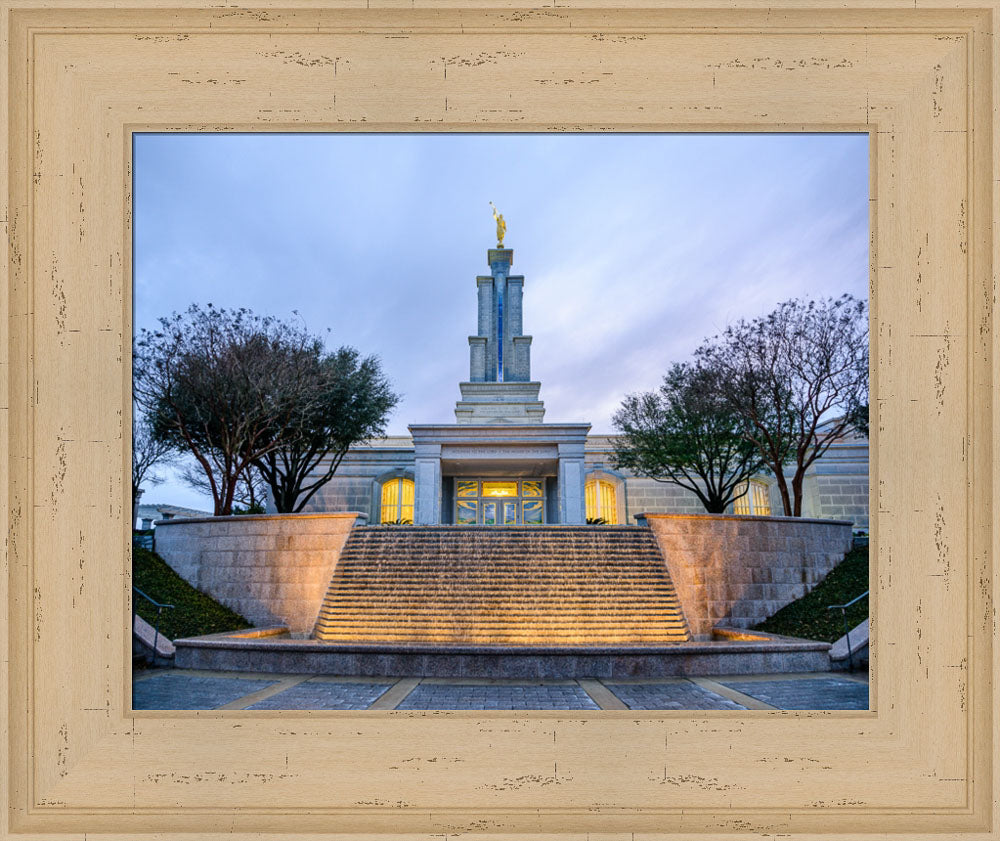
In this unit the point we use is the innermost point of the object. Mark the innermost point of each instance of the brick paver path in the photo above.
(458, 696)
(176, 689)
(317, 695)
(670, 696)
(819, 693)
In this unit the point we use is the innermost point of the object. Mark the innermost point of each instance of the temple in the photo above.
(518, 542)
(501, 464)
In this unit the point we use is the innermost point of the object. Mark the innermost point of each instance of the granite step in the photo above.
(591, 585)
(498, 619)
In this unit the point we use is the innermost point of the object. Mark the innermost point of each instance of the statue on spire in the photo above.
(501, 225)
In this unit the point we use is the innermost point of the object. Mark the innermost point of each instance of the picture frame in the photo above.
(920, 80)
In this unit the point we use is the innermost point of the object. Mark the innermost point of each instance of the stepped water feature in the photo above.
(514, 586)
(481, 602)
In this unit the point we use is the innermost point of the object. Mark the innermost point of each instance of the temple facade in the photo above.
(500, 463)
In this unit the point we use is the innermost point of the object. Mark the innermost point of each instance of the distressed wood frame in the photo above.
(78, 81)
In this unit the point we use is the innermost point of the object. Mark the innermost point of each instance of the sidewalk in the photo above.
(182, 689)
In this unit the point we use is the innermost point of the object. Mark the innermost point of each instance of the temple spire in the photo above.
(500, 388)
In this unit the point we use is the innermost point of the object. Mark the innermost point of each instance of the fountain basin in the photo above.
(273, 650)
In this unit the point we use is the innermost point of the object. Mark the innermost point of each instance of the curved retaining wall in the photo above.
(271, 568)
(736, 571)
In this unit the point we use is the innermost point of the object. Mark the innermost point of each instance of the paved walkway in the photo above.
(179, 689)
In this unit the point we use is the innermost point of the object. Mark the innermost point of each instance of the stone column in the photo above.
(485, 285)
(477, 359)
(427, 485)
(515, 294)
(500, 261)
(572, 505)
(501, 342)
(486, 328)
(521, 368)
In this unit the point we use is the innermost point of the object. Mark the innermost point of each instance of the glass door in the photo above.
(496, 502)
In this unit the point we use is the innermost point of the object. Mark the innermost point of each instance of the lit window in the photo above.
(755, 502)
(602, 501)
(531, 513)
(397, 502)
(496, 502)
(499, 488)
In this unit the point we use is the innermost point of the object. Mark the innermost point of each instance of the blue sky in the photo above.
(634, 248)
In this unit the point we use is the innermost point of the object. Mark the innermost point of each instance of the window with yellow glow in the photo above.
(397, 502)
(531, 513)
(755, 502)
(499, 502)
(602, 501)
(499, 488)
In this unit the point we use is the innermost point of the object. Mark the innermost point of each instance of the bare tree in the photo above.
(250, 496)
(798, 377)
(687, 434)
(148, 453)
(251, 493)
(218, 383)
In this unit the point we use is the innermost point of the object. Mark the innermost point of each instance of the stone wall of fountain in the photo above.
(735, 571)
(274, 569)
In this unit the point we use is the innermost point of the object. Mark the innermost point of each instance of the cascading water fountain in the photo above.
(446, 585)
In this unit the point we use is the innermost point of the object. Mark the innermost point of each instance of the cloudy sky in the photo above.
(634, 248)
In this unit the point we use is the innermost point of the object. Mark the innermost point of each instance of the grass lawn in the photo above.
(194, 612)
(808, 617)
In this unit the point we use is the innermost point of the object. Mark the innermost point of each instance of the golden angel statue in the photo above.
(501, 225)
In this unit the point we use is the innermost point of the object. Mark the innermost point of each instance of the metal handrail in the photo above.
(847, 631)
(159, 612)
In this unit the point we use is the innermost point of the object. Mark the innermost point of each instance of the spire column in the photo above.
(499, 389)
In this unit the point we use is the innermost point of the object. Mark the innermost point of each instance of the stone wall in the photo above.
(844, 496)
(355, 486)
(349, 492)
(648, 495)
(271, 568)
(736, 571)
(835, 486)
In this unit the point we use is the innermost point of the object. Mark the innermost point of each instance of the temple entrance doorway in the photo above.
(500, 502)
